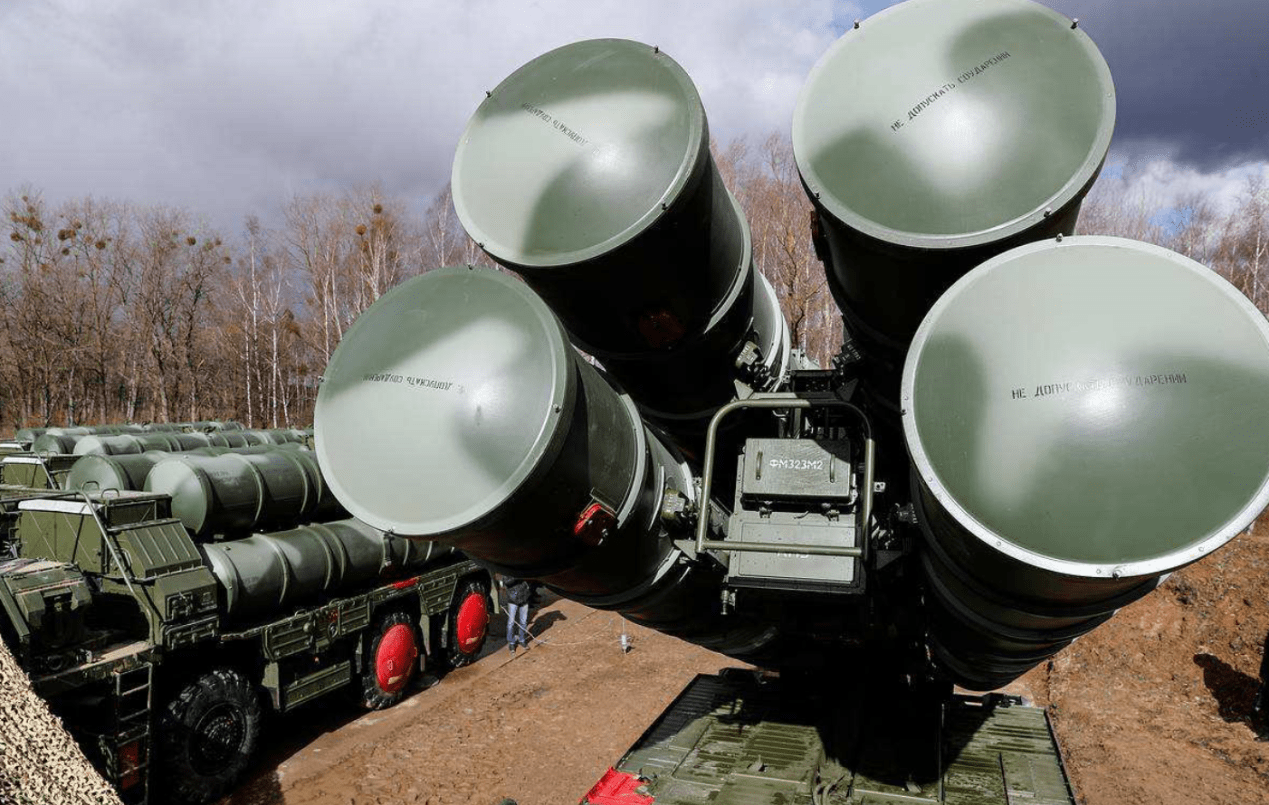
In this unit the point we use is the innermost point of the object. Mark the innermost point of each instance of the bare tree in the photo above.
(769, 189)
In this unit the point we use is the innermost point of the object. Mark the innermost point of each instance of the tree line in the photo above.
(117, 312)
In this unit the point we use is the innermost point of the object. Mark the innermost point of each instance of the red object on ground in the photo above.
(395, 658)
(473, 617)
(617, 788)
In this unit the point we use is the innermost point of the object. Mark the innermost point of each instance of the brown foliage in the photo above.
(143, 314)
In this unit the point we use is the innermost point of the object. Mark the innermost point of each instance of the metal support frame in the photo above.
(782, 401)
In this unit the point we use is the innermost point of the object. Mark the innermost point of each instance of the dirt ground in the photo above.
(1149, 708)
(1152, 706)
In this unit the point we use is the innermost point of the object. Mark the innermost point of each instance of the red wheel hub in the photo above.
(394, 661)
(473, 618)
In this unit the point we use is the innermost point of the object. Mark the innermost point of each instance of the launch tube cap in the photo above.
(185, 479)
(441, 401)
(953, 123)
(578, 152)
(1092, 406)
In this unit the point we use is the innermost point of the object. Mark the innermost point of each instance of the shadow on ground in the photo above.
(1233, 690)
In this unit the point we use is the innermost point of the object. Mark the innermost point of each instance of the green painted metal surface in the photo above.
(54, 444)
(133, 443)
(267, 573)
(1078, 427)
(122, 472)
(43, 602)
(588, 172)
(240, 491)
(1075, 403)
(551, 171)
(729, 740)
(948, 123)
(936, 135)
(443, 401)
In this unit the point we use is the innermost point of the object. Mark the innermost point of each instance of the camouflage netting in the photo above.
(39, 761)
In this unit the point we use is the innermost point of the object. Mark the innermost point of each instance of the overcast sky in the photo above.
(230, 108)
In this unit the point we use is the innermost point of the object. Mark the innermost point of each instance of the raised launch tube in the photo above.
(1071, 446)
(588, 172)
(934, 136)
(503, 442)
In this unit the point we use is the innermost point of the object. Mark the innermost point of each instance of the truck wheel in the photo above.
(391, 661)
(468, 623)
(207, 735)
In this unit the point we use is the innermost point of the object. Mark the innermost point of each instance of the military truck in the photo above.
(1024, 430)
(162, 654)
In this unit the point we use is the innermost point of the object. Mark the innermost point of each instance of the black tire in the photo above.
(207, 734)
(468, 623)
(390, 661)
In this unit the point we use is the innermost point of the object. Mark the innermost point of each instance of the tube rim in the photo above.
(929, 475)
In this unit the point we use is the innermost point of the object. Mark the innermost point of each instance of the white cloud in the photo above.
(230, 108)
(1148, 175)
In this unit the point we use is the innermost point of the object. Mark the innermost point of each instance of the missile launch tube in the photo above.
(57, 444)
(991, 125)
(237, 492)
(128, 471)
(209, 426)
(267, 573)
(31, 434)
(507, 445)
(1072, 446)
(125, 472)
(615, 213)
(131, 444)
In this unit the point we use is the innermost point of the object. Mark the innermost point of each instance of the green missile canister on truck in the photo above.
(1024, 431)
(162, 636)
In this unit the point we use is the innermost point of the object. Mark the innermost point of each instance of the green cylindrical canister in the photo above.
(1079, 427)
(935, 135)
(502, 441)
(588, 172)
(243, 490)
(266, 573)
(57, 444)
(100, 472)
(129, 443)
(163, 427)
(212, 425)
(79, 430)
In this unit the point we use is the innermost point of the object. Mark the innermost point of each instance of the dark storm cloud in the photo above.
(1191, 79)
